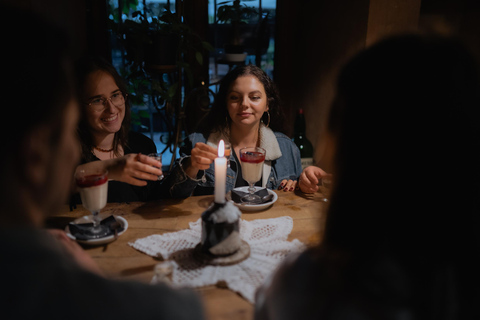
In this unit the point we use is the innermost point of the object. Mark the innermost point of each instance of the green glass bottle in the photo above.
(300, 139)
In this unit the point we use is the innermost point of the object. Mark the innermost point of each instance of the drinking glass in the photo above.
(228, 151)
(325, 186)
(158, 157)
(252, 160)
(93, 187)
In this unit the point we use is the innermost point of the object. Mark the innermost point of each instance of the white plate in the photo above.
(253, 207)
(100, 241)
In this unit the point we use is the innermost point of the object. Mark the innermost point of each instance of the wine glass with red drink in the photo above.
(252, 168)
(93, 188)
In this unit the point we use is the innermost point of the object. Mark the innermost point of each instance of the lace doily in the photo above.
(268, 247)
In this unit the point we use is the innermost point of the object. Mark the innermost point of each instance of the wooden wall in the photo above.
(390, 17)
(315, 38)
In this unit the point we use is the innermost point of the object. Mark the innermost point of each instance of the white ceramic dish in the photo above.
(100, 241)
(253, 207)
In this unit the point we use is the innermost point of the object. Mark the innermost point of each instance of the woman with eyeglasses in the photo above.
(105, 137)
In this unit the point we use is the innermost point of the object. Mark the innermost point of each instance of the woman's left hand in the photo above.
(135, 169)
(288, 185)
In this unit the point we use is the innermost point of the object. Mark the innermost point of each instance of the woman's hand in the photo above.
(287, 185)
(135, 169)
(310, 178)
(131, 168)
(202, 156)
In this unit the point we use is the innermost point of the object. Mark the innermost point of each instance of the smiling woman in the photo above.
(246, 90)
(104, 117)
(106, 139)
(246, 113)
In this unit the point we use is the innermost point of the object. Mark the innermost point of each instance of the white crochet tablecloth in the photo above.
(268, 247)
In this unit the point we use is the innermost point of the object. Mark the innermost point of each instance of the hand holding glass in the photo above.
(158, 157)
(325, 185)
(252, 168)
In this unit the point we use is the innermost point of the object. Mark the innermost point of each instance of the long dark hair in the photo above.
(84, 67)
(406, 123)
(218, 119)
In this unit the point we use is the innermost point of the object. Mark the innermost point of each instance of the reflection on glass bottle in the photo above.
(300, 139)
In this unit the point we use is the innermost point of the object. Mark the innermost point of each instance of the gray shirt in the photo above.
(39, 281)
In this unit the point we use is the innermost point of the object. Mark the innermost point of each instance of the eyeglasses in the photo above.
(100, 104)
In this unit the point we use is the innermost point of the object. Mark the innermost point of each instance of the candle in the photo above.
(220, 174)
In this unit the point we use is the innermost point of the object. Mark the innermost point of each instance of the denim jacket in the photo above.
(282, 161)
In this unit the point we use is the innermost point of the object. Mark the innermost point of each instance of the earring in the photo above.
(268, 115)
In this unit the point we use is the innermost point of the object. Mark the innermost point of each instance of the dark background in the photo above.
(317, 37)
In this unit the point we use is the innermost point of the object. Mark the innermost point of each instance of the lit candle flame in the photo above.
(221, 149)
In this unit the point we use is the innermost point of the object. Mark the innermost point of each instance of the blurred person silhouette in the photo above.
(45, 274)
(401, 237)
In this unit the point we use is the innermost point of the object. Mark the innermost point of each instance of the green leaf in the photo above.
(172, 90)
(143, 114)
(134, 116)
(207, 46)
(199, 57)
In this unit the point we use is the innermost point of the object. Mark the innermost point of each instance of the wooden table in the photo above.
(119, 260)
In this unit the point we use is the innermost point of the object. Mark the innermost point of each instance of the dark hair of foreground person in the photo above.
(401, 238)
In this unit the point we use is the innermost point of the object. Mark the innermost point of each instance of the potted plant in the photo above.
(235, 13)
(161, 52)
(158, 41)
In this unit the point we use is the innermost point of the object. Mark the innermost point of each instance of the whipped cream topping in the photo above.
(228, 213)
